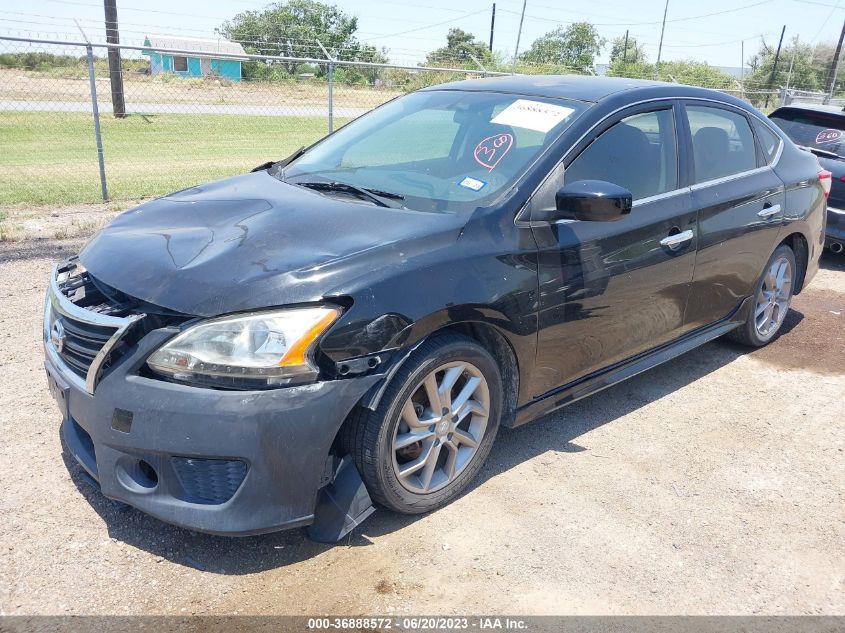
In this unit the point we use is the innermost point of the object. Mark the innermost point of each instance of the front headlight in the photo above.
(260, 349)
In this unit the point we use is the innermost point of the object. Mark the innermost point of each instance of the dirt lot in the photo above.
(20, 85)
(713, 484)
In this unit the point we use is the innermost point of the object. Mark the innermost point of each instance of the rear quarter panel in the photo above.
(805, 206)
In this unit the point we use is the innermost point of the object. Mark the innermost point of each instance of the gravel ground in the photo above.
(711, 485)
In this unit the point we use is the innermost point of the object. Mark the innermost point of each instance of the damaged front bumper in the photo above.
(223, 462)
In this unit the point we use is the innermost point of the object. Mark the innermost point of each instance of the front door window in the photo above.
(638, 153)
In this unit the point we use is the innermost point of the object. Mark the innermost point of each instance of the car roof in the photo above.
(814, 107)
(577, 87)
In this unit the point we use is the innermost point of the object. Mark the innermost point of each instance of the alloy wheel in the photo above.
(773, 298)
(441, 427)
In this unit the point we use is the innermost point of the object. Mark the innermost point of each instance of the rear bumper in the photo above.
(835, 231)
(223, 462)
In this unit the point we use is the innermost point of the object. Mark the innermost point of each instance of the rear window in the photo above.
(819, 130)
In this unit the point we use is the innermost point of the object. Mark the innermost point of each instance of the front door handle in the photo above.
(676, 240)
(769, 210)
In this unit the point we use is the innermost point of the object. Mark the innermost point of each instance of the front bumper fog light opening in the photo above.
(135, 474)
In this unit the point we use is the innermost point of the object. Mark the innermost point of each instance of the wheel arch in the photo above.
(486, 335)
(797, 241)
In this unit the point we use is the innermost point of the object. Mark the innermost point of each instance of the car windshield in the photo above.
(436, 151)
(818, 130)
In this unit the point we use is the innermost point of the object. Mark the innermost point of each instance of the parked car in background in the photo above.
(233, 357)
(821, 129)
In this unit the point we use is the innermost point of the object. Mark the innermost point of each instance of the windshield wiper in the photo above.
(820, 152)
(276, 165)
(381, 198)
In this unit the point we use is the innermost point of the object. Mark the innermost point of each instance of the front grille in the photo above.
(76, 284)
(209, 481)
(83, 318)
(81, 342)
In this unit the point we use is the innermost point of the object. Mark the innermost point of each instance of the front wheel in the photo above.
(771, 300)
(434, 426)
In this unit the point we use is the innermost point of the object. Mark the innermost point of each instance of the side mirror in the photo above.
(590, 201)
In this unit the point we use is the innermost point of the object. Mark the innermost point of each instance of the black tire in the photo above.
(369, 435)
(748, 333)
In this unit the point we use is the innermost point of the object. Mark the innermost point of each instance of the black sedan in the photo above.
(358, 320)
(821, 129)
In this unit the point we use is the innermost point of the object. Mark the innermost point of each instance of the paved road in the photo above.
(182, 108)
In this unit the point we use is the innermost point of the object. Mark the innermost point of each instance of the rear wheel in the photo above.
(433, 428)
(771, 300)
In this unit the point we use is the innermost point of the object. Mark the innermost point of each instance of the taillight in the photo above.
(826, 178)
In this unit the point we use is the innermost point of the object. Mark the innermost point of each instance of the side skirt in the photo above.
(602, 379)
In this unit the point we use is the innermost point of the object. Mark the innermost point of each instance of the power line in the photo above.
(431, 26)
(821, 4)
(672, 21)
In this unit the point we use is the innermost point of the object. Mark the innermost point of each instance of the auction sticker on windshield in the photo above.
(532, 115)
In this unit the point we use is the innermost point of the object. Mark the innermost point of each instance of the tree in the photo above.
(574, 47)
(695, 73)
(631, 70)
(810, 67)
(688, 72)
(632, 53)
(460, 48)
(292, 29)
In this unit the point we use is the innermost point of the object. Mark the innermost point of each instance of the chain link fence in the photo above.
(789, 96)
(63, 143)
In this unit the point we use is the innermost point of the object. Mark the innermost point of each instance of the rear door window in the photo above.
(722, 142)
(769, 141)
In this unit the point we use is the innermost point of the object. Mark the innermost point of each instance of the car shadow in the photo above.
(557, 433)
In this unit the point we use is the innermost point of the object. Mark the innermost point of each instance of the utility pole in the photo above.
(660, 47)
(774, 66)
(492, 26)
(519, 33)
(115, 73)
(625, 52)
(742, 69)
(835, 66)
(791, 64)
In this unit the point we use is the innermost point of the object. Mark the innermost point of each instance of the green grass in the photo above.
(51, 157)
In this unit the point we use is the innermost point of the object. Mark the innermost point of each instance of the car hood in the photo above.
(252, 242)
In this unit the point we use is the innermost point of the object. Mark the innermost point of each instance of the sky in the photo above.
(710, 31)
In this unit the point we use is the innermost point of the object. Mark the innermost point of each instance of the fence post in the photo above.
(330, 69)
(93, 82)
(331, 97)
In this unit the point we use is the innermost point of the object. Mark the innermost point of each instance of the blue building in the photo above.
(205, 61)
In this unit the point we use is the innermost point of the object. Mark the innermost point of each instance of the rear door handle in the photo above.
(676, 240)
(769, 210)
